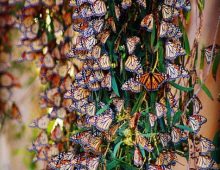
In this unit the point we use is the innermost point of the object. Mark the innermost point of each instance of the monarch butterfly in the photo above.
(98, 75)
(139, 139)
(92, 163)
(106, 82)
(31, 3)
(126, 4)
(160, 110)
(94, 86)
(58, 113)
(206, 146)
(131, 85)
(158, 167)
(104, 121)
(169, 12)
(103, 36)
(148, 22)
(134, 120)
(78, 94)
(94, 144)
(152, 81)
(142, 3)
(176, 135)
(173, 50)
(111, 22)
(117, 12)
(109, 135)
(80, 137)
(152, 119)
(174, 71)
(41, 140)
(166, 158)
(204, 162)
(97, 25)
(57, 133)
(169, 2)
(165, 138)
(208, 52)
(96, 52)
(197, 105)
(41, 122)
(169, 30)
(195, 122)
(132, 64)
(187, 5)
(138, 159)
(85, 11)
(88, 42)
(105, 62)
(131, 43)
(118, 103)
(99, 8)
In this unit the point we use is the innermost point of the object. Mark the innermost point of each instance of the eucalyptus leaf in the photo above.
(116, 148)
(184, 127)
(177, 86)
(205, 89)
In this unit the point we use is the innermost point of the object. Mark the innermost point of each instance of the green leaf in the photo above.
(113, 164)
(185, 38)
(50, 126)
(149, 135)
(177, 86)
(138, 102)
(184, 127)
(201, 5)
(161, 65)
(153, 35)
(215, 65)
(205, 89)
(202, 59)
(115, 86)
(103, 109)
(117, 146)
(176, 117)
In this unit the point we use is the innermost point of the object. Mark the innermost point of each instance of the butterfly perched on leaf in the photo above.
(174, 49)
(166, 158)
(138, 159)
(177, 135)
(165, 138)
(205, 146)
(41, 122)
(169, 30)
(99, 8)
(148, 22)
(152, 119)
(126, 4)
(132, 64)
(175, 71)
(196, 121)
(169, 12)
(204, 162)
(134, 120)
(152, 81)
(209, 55)
(161, 110)
(145, 143)
(131, 43)
(131, 85)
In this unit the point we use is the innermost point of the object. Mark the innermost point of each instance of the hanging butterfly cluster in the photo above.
(46, 37)
(8, 81)
(119, 110)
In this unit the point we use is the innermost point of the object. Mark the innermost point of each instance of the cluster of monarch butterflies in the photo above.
(8, 81)
(97, 59)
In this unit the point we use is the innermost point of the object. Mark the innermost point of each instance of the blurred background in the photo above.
(15, 137)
